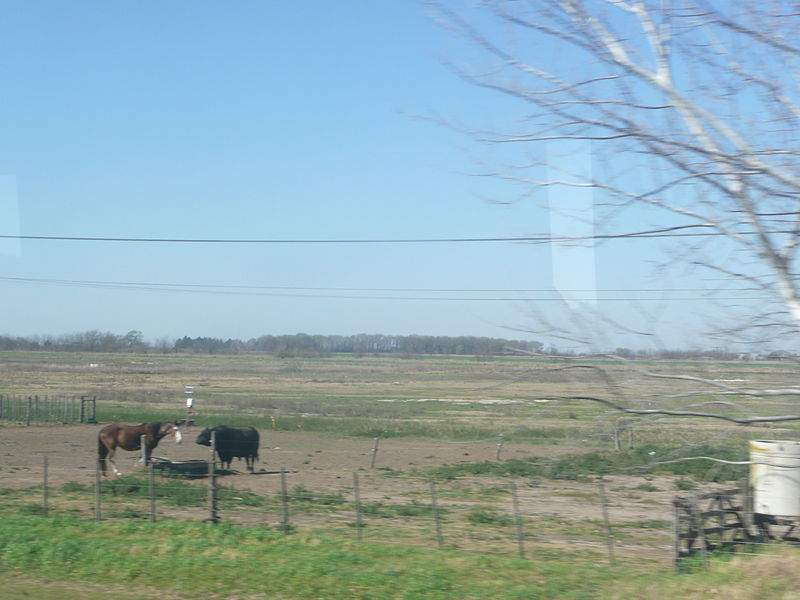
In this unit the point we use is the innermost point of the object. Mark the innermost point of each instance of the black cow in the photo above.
(232, 442)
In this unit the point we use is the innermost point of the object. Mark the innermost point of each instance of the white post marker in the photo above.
(189, 390)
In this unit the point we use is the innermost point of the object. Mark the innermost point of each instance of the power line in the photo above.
(361, 289)
(60, 238)
(295, 292)
(653, 233)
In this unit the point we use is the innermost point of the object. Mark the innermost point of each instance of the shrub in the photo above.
(580, 466)
(485, 515)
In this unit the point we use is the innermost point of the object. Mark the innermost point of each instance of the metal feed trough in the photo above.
(190, 468)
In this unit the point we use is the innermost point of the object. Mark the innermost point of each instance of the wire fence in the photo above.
(59, 408)
(516, 518)
(590, 520)
(576, 520)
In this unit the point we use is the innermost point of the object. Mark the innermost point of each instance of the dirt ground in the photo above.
(317, 461)
(325, 464)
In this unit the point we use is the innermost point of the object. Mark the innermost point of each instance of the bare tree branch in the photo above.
(680, 89)
(683, 413)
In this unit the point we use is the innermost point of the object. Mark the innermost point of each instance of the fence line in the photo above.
(59, 408)
(522, 523)
(434, 518)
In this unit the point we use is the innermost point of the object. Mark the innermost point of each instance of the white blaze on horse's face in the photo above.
(178, 435)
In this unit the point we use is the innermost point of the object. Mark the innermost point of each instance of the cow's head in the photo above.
(204, 439)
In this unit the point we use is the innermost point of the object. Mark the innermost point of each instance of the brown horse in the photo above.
(129, 437)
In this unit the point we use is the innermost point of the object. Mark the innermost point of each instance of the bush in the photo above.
(530, 467)
(74, 486)
(580, 466)
(486, 515)
(300, 494)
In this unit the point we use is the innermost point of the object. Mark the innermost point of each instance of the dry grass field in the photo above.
(440, 419)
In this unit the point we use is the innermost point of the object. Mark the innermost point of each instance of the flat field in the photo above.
(479, 433)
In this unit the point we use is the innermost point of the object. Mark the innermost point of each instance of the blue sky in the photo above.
(266, 120)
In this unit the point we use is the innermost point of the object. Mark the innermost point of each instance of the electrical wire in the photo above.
(653, 233)
(296, 292)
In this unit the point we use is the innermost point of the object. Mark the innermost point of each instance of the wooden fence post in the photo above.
(212, 481)
(97, 491)
(44, 488)
(697, 517)
(151, 490)
(517, 520)
(499, 447)
(374, 453)
(748, 520)
(436, 518)
(676, 534)
(284, 502)
(28, 412)
(143, 444)
(357, 501)
(609, 534)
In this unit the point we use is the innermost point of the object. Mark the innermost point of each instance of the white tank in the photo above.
(775, 482)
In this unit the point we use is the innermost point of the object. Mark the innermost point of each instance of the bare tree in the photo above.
(693, 105)
(692, 108)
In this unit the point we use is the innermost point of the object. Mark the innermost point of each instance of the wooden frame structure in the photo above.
(707, 522)
(718, 520)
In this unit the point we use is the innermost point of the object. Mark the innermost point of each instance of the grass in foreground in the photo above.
(69, 558)
(187, 559)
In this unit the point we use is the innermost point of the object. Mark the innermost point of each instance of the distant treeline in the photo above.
(282, 345)
(305, 344)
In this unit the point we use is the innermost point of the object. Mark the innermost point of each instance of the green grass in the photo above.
(173, 491)
(69, 558)
(391, 510)
(391, 422)
(488, 515)
(579, 466)
(341, 396)
(300, 493)
(192, 559)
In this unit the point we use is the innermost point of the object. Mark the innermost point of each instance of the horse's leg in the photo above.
(110, 460)
(105, 453)
(102, 451)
